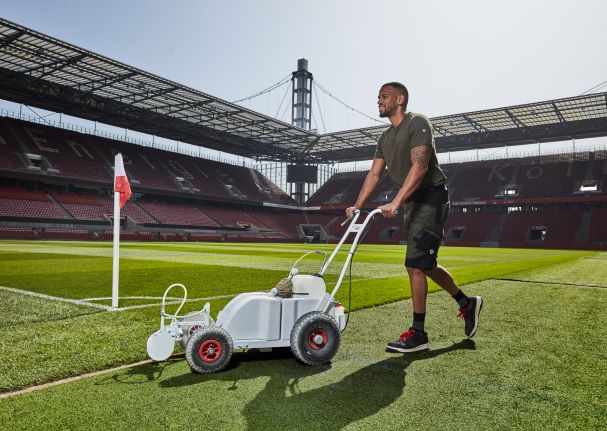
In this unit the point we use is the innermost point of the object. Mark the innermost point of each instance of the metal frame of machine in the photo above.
(310, 320)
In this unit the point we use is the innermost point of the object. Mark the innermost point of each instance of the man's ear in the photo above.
(401, 99)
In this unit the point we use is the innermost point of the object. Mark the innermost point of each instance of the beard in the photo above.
(386, 112)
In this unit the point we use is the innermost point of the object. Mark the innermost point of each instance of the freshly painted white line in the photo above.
(131, 297)
(54, 298)
(131, 307)
(106, 307)
(82, 376)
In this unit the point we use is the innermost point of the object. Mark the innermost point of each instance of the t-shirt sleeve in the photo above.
(421, 132)
(379, 153)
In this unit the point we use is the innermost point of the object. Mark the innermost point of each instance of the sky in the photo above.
(453, 56)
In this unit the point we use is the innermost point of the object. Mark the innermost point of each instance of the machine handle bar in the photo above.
(361, 228)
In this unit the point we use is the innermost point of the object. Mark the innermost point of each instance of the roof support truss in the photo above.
(43, 71)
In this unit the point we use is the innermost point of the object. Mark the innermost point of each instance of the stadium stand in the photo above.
(542, 176)
(540, 201)
(50, 175)
(598, 227)
(141, 163)
(177, 214)
(341, 185)
(81, 207)
(470, 228)
(271, 192)
(386, 231)
(344, 187)
(22, 203)
(477, 180)
(60, 154)
(9, 232)
(68, 176)
(56, 152)
(234, 218)
(555, 227)
(276, 222)
(10, 149)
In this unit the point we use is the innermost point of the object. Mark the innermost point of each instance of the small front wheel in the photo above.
(209, 350)
(315, 338)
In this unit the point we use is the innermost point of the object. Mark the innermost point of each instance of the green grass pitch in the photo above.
(539, 360)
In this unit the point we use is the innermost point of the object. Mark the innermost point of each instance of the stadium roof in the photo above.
(552, 120)
(42, 71)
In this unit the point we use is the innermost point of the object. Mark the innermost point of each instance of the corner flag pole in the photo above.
(116, 257)
(122, 193)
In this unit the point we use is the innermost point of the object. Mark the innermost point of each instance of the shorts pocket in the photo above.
(428, 243)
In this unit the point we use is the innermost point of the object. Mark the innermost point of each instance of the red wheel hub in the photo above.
(210, 351)
(317, 339)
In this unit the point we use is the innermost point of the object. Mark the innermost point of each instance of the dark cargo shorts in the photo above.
(425, 216)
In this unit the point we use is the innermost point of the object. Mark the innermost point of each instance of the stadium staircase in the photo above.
(493, 237)
(581, 235)
(60, 206)
(314, 233)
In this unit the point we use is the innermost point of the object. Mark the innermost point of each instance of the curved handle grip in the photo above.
(324, 253)
(185, 295)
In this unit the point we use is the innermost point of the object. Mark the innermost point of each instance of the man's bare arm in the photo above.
(371, 180)
(420, 157)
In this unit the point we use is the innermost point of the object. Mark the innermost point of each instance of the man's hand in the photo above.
(350, 211)
(389, 210)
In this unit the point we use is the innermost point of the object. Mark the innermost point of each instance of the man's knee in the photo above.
(416, 272)
(429, 272)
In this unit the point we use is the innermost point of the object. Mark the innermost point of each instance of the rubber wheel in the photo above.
(315, 338)
(209, 350)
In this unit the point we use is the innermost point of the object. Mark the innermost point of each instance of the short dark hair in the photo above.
(401, 89)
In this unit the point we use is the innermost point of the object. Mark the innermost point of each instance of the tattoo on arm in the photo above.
(421, 154)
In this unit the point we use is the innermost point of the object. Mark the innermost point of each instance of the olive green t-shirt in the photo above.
(395, 144)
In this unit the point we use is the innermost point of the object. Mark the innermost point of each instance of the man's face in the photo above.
(388, 100)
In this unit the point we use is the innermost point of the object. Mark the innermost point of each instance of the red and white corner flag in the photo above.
(122, 193)
(121, 182)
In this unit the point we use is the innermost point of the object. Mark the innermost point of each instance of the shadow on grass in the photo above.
(140, 374)
(282, 404)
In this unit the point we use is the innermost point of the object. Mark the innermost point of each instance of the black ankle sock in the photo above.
(461, 298)
(418, 321)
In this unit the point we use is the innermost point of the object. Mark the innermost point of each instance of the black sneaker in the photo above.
(410, 341)
(470, 313)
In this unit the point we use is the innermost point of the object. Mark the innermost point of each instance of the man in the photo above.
(407, 150)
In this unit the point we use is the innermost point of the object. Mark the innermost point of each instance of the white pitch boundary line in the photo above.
(82, 376)
(170, 298)
(106, 307)
(55, 298)
(131, 307)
